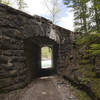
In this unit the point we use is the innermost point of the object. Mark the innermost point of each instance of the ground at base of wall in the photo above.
(80, 95)
(45, 88)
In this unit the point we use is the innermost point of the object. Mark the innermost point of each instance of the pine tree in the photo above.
(95, 15)
(86, 19)
(80, 14)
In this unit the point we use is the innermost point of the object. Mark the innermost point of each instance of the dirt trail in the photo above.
(44, 88)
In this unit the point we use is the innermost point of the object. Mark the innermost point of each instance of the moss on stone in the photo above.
(89, 73)
(87, 66)
(94, 52)
(86, 56)
(95, 46)
(95, 86)
(89, 50)
(84, 61)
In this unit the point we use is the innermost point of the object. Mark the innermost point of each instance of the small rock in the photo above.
(44, 93)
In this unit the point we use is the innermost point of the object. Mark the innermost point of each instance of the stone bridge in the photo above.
(21, 38)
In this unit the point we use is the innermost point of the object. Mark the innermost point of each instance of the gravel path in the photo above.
(44, 88)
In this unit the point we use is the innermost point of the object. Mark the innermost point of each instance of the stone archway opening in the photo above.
(33, 51)
(46, 57)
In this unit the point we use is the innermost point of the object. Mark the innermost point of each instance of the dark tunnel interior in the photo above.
(32, 50)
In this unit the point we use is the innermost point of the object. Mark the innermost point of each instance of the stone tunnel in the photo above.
(21, 38)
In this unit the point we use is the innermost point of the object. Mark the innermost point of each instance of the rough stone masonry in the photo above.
(21, 39)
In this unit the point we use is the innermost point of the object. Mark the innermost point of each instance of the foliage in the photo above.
(46, 53)
(95, 86)
(89, 45)
(21, 3)
(86, 14)
(88, 39)
(95, 46)
(81, 40)
(94, 52)
(53, 9)
(86, 71)
(84, 61)
(6, 2)
(80, 14)
(81, 95)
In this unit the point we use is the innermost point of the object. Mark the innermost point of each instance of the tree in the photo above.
(21, 4)
(6, 2)
(80, 14)
(86, 19)
(53, 9)
(0, 1)
(95, 15)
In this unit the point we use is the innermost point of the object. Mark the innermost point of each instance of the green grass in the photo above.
(95, 86)
(80, 95)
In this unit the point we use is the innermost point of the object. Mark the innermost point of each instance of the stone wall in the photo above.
(15, 28)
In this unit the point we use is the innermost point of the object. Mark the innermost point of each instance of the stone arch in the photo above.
(18, 28)
(33, 55)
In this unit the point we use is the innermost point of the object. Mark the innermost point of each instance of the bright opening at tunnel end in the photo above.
(46, 57)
